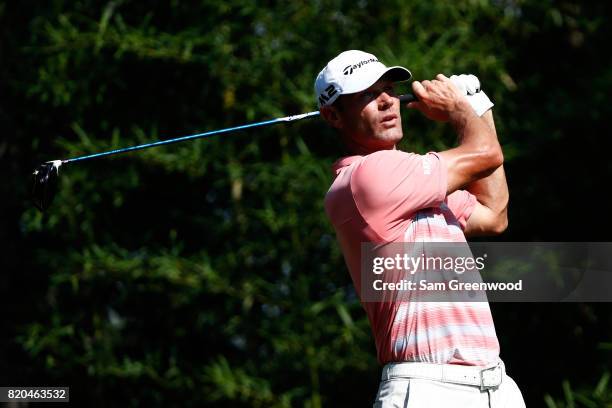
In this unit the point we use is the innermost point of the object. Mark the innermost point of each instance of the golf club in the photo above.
(44, 184)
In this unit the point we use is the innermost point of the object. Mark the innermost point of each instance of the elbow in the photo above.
(501, 222)
(494, 157)
(500, 226)
(475, 162)
(491, 158)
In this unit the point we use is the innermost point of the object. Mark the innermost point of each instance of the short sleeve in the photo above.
(461, 203)
(389, 186)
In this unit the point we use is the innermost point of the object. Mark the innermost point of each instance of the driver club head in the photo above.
(44, 184)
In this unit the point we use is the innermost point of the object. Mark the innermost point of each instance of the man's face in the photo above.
(370, 120)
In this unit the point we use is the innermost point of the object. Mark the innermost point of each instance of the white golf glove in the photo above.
(470, 86)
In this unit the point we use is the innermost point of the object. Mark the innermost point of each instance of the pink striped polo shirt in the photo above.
(393, 196)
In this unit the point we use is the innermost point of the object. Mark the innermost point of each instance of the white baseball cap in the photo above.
(353, 71)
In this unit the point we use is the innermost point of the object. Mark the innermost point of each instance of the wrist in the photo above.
(461, 113)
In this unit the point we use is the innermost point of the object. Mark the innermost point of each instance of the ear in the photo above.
(332, 116)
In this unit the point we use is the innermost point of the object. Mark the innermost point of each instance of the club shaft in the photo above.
(403, 99)
(185, 138)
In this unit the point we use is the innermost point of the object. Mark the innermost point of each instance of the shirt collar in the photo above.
(344, 162)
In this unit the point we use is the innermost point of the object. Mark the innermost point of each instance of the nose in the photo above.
(385, 100)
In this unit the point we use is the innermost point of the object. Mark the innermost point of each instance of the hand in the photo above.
(437, 98)
(470, 85)
(467, 84)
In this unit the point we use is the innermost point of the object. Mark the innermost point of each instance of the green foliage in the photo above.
(206, 273)
(591, 397)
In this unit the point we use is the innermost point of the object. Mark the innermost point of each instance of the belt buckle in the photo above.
(484, 387)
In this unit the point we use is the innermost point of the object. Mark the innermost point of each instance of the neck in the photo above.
(357, 148)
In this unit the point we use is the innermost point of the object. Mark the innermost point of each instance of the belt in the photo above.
(484, 377)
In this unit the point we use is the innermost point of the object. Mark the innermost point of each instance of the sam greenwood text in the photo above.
(452, 284)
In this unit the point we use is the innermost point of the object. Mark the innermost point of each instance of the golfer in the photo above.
(435, 354)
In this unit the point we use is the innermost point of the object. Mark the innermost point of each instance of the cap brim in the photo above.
(397, 74)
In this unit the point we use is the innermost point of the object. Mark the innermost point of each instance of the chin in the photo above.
(394, 136)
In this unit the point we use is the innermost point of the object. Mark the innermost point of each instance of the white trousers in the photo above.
(420, 393)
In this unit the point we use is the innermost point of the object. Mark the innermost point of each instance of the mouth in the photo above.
(389, 120)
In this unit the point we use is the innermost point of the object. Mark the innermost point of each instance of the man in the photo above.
(438, 354)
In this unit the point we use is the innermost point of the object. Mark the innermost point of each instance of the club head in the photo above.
(44, 184)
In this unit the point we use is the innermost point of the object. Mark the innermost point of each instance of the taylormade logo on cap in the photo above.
(353, 71)
(348, 70)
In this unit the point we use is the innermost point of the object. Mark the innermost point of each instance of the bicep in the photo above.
(465, 164)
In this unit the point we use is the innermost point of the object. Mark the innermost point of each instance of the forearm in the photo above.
(478, 153)
(491, 191)
(472, 130)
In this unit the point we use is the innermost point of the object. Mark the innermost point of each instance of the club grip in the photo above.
(407, 98)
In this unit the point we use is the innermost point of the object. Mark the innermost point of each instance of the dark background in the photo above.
(206, 273)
